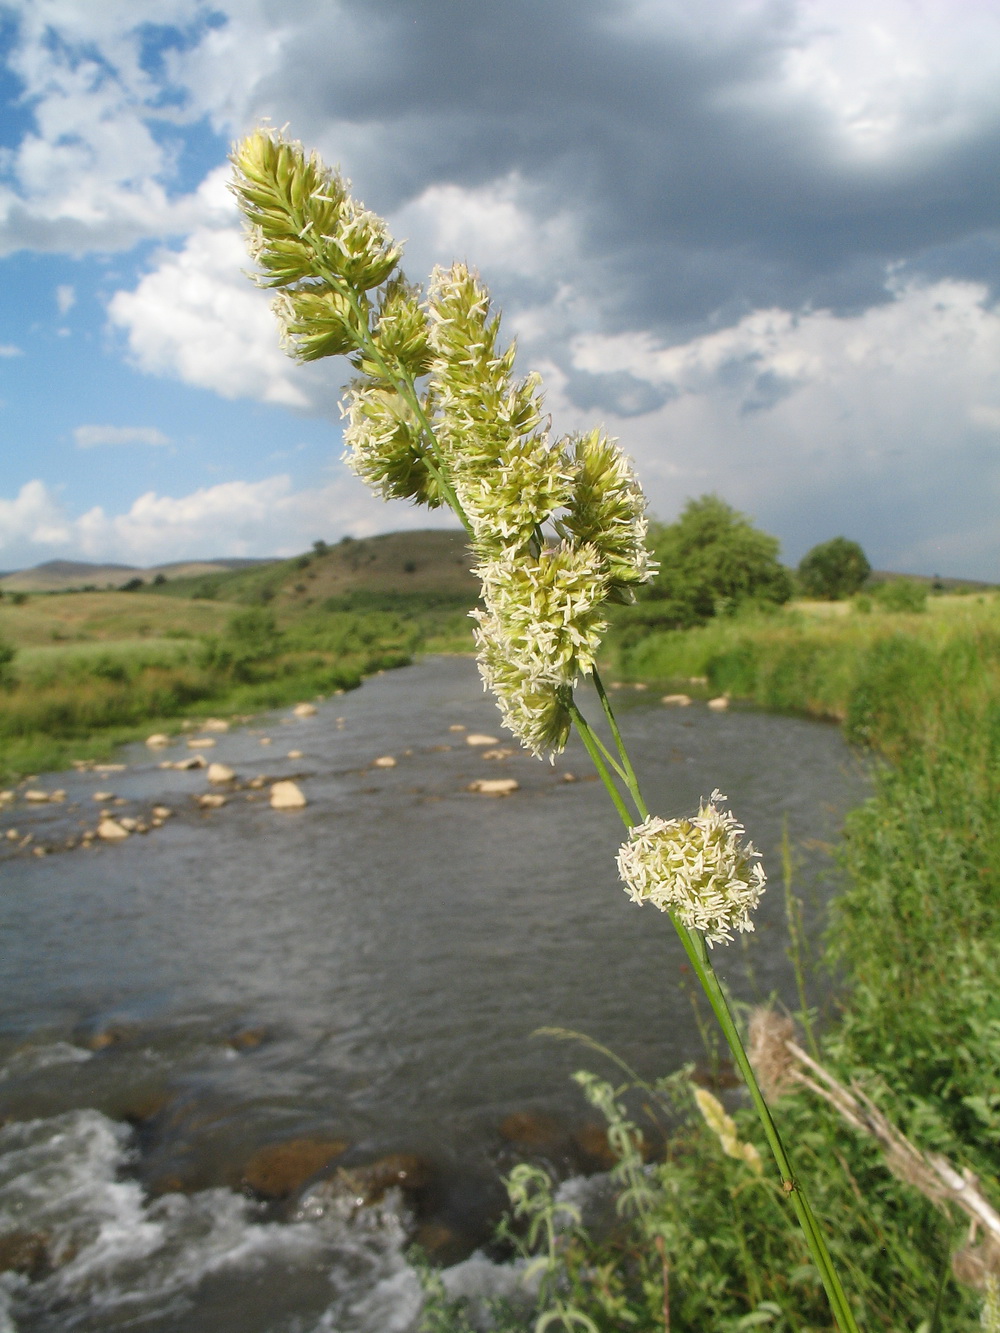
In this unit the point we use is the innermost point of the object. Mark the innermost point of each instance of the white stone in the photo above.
(719, 704)
(192, 761)
(211, 800)
(111, 831)
(494, 786)
(287, 796)
(214, 724)
(162, 812)
(201, 743)
(157, 741)
(220, 773)
(678, 700)
(304, 710)
(38, 797)
(295, 754)
(479, 738)
(103, 796)
(384, 761)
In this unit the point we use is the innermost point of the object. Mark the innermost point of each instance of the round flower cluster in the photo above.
(697, 868)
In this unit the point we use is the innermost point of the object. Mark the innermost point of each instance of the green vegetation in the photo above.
(834, 569)
(713, 561)
(913, 941)
(900, 595)
(83, 672)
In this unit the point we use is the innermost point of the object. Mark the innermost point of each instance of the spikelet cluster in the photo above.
(472, 435)
(540, 629)
(723, 1126)
(697, 868)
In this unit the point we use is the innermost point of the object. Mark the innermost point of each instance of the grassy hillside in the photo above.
(84, 671)
(431, 563)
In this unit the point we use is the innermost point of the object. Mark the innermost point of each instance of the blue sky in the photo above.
(759, 240)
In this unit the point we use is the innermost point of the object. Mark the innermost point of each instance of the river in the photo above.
(364, 976)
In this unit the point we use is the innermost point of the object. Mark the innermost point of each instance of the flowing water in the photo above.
(362, 977)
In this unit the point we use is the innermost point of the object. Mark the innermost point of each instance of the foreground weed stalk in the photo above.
(435, 416)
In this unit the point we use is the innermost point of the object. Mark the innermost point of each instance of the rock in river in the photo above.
(111, 831)
(279, 1169)
(494, 786)
(220, 773)
(287, 796)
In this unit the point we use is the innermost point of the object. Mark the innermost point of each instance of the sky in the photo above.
(756, 240)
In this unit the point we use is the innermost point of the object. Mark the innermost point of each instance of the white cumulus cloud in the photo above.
(234, 518)
(196, 317)
(882, 425)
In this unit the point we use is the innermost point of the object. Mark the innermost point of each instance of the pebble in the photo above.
(214, 724)
(220, 773)
(201, 743)
(384, 761)
(211, 800)
(287, 796)
(494, 786)
(304, 710)
(157, 741)
(680, 700)
(295, 754)
(719, 704)
(480, 738)
(111, 830)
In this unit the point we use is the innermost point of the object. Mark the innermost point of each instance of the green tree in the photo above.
(834, 569)
(712, 561)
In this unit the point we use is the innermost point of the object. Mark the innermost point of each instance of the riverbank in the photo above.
(91, 671)
(914, 937)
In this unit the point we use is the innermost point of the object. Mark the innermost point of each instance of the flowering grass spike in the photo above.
(557, 530)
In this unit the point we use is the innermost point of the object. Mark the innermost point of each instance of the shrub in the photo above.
(901, 595)
(713, 560)
(834, 569)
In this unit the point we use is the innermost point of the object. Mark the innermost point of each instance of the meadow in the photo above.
(85, 671)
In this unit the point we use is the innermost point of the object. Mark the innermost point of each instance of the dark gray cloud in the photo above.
(702, 182)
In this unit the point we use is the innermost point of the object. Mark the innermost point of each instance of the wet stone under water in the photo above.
(246, 1057)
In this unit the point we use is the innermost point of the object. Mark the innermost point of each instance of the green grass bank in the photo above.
(86, 671)
(914, 940)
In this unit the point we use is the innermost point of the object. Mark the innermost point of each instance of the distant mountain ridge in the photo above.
(62, 575)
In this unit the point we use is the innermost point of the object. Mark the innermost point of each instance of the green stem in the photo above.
(593, 749)
(629, 776)
(697, 952)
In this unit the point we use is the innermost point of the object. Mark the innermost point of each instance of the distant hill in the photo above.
(64, 575)
(432, 562)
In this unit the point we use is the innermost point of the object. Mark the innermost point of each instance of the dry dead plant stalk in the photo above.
(781, 1063)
